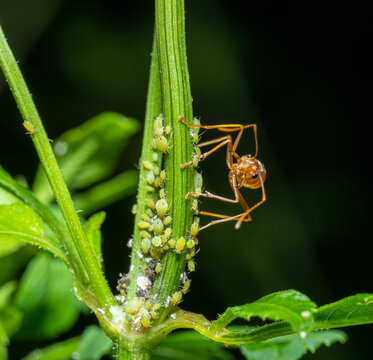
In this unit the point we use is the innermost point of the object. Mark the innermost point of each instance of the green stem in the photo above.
(176, 101)
(43, 147)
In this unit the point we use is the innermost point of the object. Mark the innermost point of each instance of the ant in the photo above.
(247, 171)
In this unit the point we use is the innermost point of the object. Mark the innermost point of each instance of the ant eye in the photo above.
(255, 176)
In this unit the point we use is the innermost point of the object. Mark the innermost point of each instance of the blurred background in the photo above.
(299, 73)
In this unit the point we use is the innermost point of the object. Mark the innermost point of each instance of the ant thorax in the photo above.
(250, 172)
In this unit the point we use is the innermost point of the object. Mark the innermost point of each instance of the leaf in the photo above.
(352, 310)
(291, 347)
(92, 229)
(18, 222)
(6, 292)
(10, 319)
(58, 351)
(107, 192)
(94, 343)
(88, 153)
(3, 343)
(292, 306)
(45, 297)
(190, 345)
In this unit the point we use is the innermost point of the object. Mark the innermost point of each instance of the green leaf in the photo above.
(6, 292)
(45, 297)
(58, 351)
(93, 344)
(190, 345)
(107, 192)
(292, 306)
(19, 223)
(92, 229)
(88, 153)
(3, 343)
(291, 347)
(10, 319)
(352, 310)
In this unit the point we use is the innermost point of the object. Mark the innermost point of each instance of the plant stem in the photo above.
(43, 147)
(176, 102)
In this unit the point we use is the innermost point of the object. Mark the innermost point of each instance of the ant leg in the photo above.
(239, 135)
(224, 127)
(248, 211)
(224, 218)
(224, 140)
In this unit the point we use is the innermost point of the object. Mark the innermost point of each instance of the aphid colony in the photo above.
(155, 230)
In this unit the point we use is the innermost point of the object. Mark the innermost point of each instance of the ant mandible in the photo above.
(247, 171)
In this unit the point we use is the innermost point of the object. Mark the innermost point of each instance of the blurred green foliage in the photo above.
(294, 72)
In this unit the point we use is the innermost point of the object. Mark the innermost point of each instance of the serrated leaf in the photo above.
(46, 298)
(291, 347)
(19, 223)
(88, 153)
(190, 345)
(291, 306)
(92, 229)
(59, 351)
(352, 310)
(94, 344)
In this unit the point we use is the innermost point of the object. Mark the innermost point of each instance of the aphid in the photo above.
(190, 243)
(150, 177)
(133, 306)
(198, 182)
(164, 240)
(29, 127)
(244, 171)
(156, 253)
(158, 268)
(145, 245)
(156, 307)
(149, 188)
(158, 226)
(186, 286)
(148, 165)
(158, 126)
(156, 170)
(165, 247)
(144, 234)
(143, 224)
(161, 207)
(191, 266)
(180, 244)
(168, 232)
(162, 175)
(150, 203)
(145, 217)
(171, 243)
(195, 206)
(167, 220)
(194, 228)
(156, 241)
(134, 209)
(157, 182)
(149, 212)
(145, 322)
(161, 143)
(162, 193)
(168, 129)
(155, 157)
(153, 314)
(176, 297)
(190, 254)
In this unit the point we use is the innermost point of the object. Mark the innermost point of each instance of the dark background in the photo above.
(299, 72)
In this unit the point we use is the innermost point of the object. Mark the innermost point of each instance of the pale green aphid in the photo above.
(161, 144)
(194, 228)
(144, 234)
(149, 188)
(161, 207)
(191, 266)
(157, 182)
(145, 245)
(164, 240)
(162, 193)
(150, 203)
(150, 177)
(148, 165)
(167, 220)
(158, 125)
(29, 127)
(155, 157)
(133, 305)
(145, 217)
(168, 129)
(143, 224)
(195, 206)
(149, 212)
(156, 170)
(190, 243)
(134, 209)
(153, 314)
(171, 243)
(168, 232)
(176, 297)
(156, 241)
(156, 307)
(198, 181)
(180, 244)
(158, 226)
(186, 286)
(191, 254)
(162, 175)
(158, 268)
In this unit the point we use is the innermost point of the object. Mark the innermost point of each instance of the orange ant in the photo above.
(247, 171)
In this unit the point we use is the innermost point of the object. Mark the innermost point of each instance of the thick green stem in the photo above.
(176, 102)
(43, 147)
